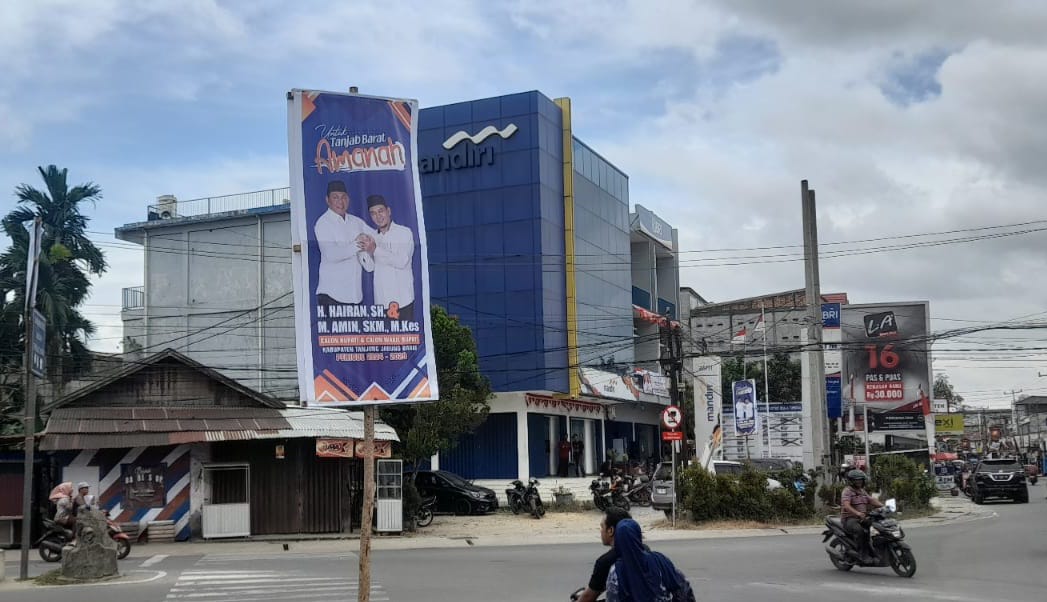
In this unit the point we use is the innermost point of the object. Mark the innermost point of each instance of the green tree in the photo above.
(428, 428)
(943, 389)
(785, 380)
(67, 260)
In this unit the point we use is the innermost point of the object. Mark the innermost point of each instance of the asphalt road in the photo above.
(999, 558)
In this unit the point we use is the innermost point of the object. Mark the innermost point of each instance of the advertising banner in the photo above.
(143, 485)
(360, 270)
(832, 354)
(948, 424)
(896, 421)
(335, 448)
(707, 399)
(744, 407)
(886, 356)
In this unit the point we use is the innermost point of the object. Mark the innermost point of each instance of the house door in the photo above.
(226, 508)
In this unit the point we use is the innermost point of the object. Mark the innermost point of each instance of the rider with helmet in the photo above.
(855, 502)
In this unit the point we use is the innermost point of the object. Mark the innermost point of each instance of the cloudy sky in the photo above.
(908, 118)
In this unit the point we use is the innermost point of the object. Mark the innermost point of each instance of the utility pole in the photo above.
(814, 328)
(1016, 434)
(29, 420)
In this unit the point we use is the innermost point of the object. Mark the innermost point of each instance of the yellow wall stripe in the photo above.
(568, 236)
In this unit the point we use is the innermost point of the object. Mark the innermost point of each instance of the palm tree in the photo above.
(67, 259)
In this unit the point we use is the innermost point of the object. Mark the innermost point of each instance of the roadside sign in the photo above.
(38, 353)
(672, 435)
(672, 418)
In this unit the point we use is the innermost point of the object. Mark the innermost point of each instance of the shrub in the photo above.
(741, 497)
(830, 493)
(899, 477)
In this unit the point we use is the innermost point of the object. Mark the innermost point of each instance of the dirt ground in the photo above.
(506, 524)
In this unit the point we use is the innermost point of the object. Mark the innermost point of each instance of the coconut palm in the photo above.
(67, 259)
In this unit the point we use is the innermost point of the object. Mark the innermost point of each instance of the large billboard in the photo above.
(360, 270)
(745, 419)
(886, 356)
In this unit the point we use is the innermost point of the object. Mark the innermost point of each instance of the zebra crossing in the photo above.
(253, 585)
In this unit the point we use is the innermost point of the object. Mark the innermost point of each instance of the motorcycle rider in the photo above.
(855, 501)
(603, 564)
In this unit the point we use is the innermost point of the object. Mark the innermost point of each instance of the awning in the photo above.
(115, 427)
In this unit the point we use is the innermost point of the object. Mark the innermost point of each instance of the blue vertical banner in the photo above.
(832, 337)
(745, 410)
(359, 263)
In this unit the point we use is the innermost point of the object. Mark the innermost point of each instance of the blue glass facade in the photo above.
(602, 259)
(494, 217)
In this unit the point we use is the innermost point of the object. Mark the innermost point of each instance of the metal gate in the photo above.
(390, 495)
(227, 509)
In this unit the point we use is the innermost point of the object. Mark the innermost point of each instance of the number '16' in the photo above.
(885, 358)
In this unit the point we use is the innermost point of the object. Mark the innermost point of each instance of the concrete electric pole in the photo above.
(819, 433)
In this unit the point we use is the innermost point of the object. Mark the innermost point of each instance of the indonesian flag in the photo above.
(760, 324)
(739, 337)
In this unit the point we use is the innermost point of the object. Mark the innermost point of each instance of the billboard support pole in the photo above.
(868, 460)
(29, 420)
(364, 591)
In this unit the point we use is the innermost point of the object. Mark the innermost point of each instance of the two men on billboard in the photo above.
(348, 247)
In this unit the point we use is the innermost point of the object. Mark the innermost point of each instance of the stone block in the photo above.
(93, 553)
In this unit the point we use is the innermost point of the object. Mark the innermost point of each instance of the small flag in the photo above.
(739, 337)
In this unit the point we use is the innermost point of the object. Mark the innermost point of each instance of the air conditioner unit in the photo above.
(167, 206)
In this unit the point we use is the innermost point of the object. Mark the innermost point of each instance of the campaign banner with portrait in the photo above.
(745, 419)
(360, 270)
(886, 359)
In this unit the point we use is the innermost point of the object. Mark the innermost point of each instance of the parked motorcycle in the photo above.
(601, 491)
(885, 536)
(533, 500)
(424, 516)
(515, 496)
(638, 490)
(55, 537)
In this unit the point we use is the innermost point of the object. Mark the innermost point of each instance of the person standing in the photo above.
(392, 248)
(564, 454)
(578, 449)
(340, 236)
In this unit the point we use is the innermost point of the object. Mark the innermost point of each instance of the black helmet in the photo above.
(857, 475)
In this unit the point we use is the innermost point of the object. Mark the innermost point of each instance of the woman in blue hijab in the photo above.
(640, 575)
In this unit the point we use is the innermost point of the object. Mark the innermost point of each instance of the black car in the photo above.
(998, 477)
(454, 494)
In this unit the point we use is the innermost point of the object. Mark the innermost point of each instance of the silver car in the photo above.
(662, 490)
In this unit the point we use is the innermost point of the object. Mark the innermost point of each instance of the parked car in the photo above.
(662, 490)
(454, 494)
(998, 477)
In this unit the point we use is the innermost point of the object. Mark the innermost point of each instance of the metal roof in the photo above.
(114, 427)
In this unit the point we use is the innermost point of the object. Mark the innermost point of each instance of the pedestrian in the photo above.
(603, 564)
(640, 575)
(578, 448)
(564, 451)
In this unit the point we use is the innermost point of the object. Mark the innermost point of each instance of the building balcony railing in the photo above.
(133, 298)
(170, 207)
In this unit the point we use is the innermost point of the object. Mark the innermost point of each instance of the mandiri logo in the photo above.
(480, 136)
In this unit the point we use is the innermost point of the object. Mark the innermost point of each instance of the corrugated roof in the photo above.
(102, 428)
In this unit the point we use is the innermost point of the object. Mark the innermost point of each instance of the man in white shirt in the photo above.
(392, 248)
(340, 236)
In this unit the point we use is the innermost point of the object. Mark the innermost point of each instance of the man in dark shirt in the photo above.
(603, 564)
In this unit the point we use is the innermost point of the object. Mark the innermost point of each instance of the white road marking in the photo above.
(154, 560)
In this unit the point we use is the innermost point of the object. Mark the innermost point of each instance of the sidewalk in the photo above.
(504, 529)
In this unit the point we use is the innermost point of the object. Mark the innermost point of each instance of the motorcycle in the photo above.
(638, 490)
(424, 516)
(55, 537)
(533, 500)
(601, 494)
(886, 539)
(577, 595)
(527, 498)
